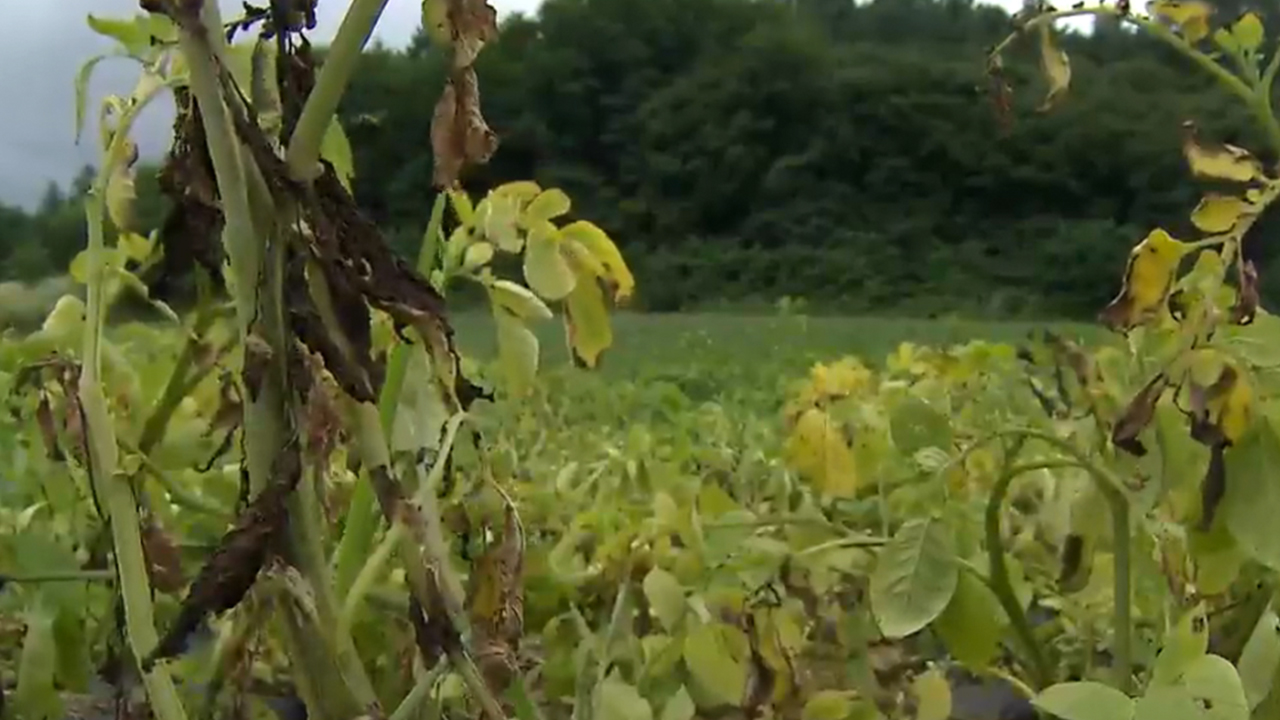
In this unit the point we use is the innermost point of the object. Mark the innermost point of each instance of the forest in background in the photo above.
(745, 150)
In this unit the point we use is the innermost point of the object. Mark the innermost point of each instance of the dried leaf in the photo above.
(1224, 162)
(1214, 485)
(1247, 299)
(497, 603)
(1138, 415)
(164, 561)
(459, 134)
(1056, 67)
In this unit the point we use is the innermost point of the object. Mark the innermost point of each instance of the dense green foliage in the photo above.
(746, 151)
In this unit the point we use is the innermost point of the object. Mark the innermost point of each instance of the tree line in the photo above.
(744, 150)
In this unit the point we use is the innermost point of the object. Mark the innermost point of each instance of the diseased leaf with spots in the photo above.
(1148, 278)
(1220, 161)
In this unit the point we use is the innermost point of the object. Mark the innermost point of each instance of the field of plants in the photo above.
(317, 493)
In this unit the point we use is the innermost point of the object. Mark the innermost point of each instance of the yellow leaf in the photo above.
(496, 217)
(933, 696)
(522, 191)
(477, 254)
(605, 253)
(548, 205)
(1225, 162)
(517, 351)
(335, 148)
(1056, 67)
(120, 192)
(817, 450)
(519, 300)
(1218, 213)
(1147, 280)
(1191, 16)
(135, 246)
(1248, 32)
(435, 20)
(587, 321)
(545, 267)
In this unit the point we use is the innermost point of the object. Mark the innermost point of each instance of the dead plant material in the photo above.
(232, 569)
(497, 604)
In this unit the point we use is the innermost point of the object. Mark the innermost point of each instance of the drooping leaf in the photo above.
(1218, 213)
(1252, 501)
(1085, 701)
(972, 622)
(1221, 161)
(1147, 280)
(715, 656)
(915, 577)
(120, 192)
(545, 267)
(1056, 67)
(601, 255)
(459, 134)
(1212, 680)
(517, 351)
(1191, 16)
(519, 300)
(1137, 416)
(818, 450)
(587, 321)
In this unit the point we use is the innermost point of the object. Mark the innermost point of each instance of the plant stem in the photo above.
(1002, 586)
(408, 708)
(331, 82)
(178, 385)
(55, 577)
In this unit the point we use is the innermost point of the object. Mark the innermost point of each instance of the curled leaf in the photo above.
(1056, 66)
(1190, 16)
(1223, 162)
(1138, 415)
(1147, 280)
(120, 192)
(599, 252)
(459, 134)
(519, 300)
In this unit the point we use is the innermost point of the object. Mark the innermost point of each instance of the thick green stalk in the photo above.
(304, 145)
(181, 380)
(362, 518)
(103, 457)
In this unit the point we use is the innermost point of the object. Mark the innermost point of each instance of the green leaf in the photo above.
(933, 696)
(335, 148)
(1261, 658)
(519, 300)
(828, 705)
(666, 597)
(1183, 646)
(1213, 681)
(36, 697)
(82, 90)
(497, 217)
(120, 195)
(679, 707)
(915, 577)
(1252, 501)
(548, 205)
(1085, 701)
(134, 34)
(1163, 702)
(715, 656)
(477, 255)
(517, 350)
(545, 267)
(618, 700)
(1249, 32)
(916, 424)
(971, 624)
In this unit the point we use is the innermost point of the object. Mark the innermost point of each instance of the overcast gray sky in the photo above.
(42, 45)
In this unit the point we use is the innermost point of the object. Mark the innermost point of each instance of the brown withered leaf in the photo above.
(48, 428)
(474, 23)
(164, 561)
(1214, 486)
(497, 603)
(459, 134)
(1138, 415)
(1245, 308)
(233, 567)
(1205, 429)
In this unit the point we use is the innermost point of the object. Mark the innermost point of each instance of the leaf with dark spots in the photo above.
(497, 603)
(434, 635)
(1072, 561)
(233, 567)
(1137, 416)
(1247, 299)
(1214, 486)
(309, 327)
(48, 428)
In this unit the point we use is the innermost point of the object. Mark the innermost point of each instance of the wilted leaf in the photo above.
(915, 577)
(1085, 701)
(1245, 308)
(600, 254)
(519, 300)
(817, 449)
(1137, 416)
(517, 351)
(459, 134)
(1147, 279)
(1184, 645)
(1223, 162)
(1056, 67)
(1191, 16)
(587, 321)
(1218, 213)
